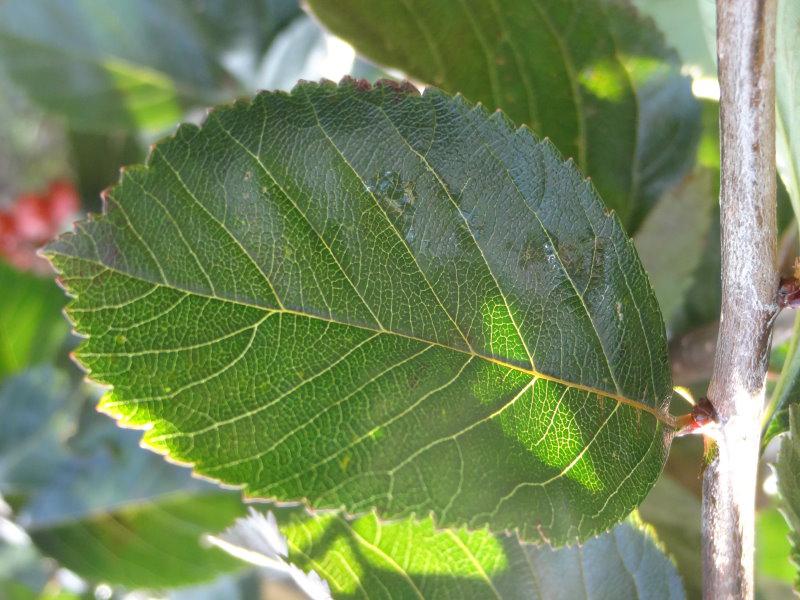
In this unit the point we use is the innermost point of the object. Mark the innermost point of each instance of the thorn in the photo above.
(699, 421)
(789, 292)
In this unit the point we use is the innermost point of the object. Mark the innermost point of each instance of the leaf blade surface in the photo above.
(371, 298)
(592, 76)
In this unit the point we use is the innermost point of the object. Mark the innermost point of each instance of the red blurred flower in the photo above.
(32, 220)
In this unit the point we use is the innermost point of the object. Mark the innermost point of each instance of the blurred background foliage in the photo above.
(86, 86)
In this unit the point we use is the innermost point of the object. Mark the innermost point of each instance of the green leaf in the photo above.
(773, 548)
(674, 512)
(590, 75)
(365, 557)
(27, 162)
(243, 586)
(787, 468)
(96, 159)
(38, 413)
(682, 24)
(31, 327)
(370, 298)
(129, 64)
(787, 75)
(786, 392)
(673, 237)
(151, 544)
(94, 501)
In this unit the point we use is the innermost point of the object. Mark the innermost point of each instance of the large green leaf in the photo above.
(367, 558)
(589, 74)
(31, 327)
(130, 64)
(366, 297)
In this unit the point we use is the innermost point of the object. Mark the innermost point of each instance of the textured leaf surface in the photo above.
(589, 74)
(132, 63)
(371, 298)
(365, 558)
(787, 469)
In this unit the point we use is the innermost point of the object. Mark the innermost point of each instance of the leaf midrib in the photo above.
(662, 416)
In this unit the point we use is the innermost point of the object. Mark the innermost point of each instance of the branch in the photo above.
(746, 56)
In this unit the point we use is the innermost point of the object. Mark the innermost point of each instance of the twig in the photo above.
(746, 51)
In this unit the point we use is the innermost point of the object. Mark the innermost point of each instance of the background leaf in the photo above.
(590, 75)
(674, 512)
(786, 392)
(380, 333)
(130, 64)
(673, 237)
(682, 24)
(31, 326)
(787, 91)
(150, 544)
(787, 469)
(93, 500)
(411, 559)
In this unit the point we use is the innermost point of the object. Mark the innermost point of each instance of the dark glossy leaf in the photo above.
(589, 74)
(371, 298)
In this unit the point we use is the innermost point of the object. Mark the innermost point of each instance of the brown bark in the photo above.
(746, 51)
